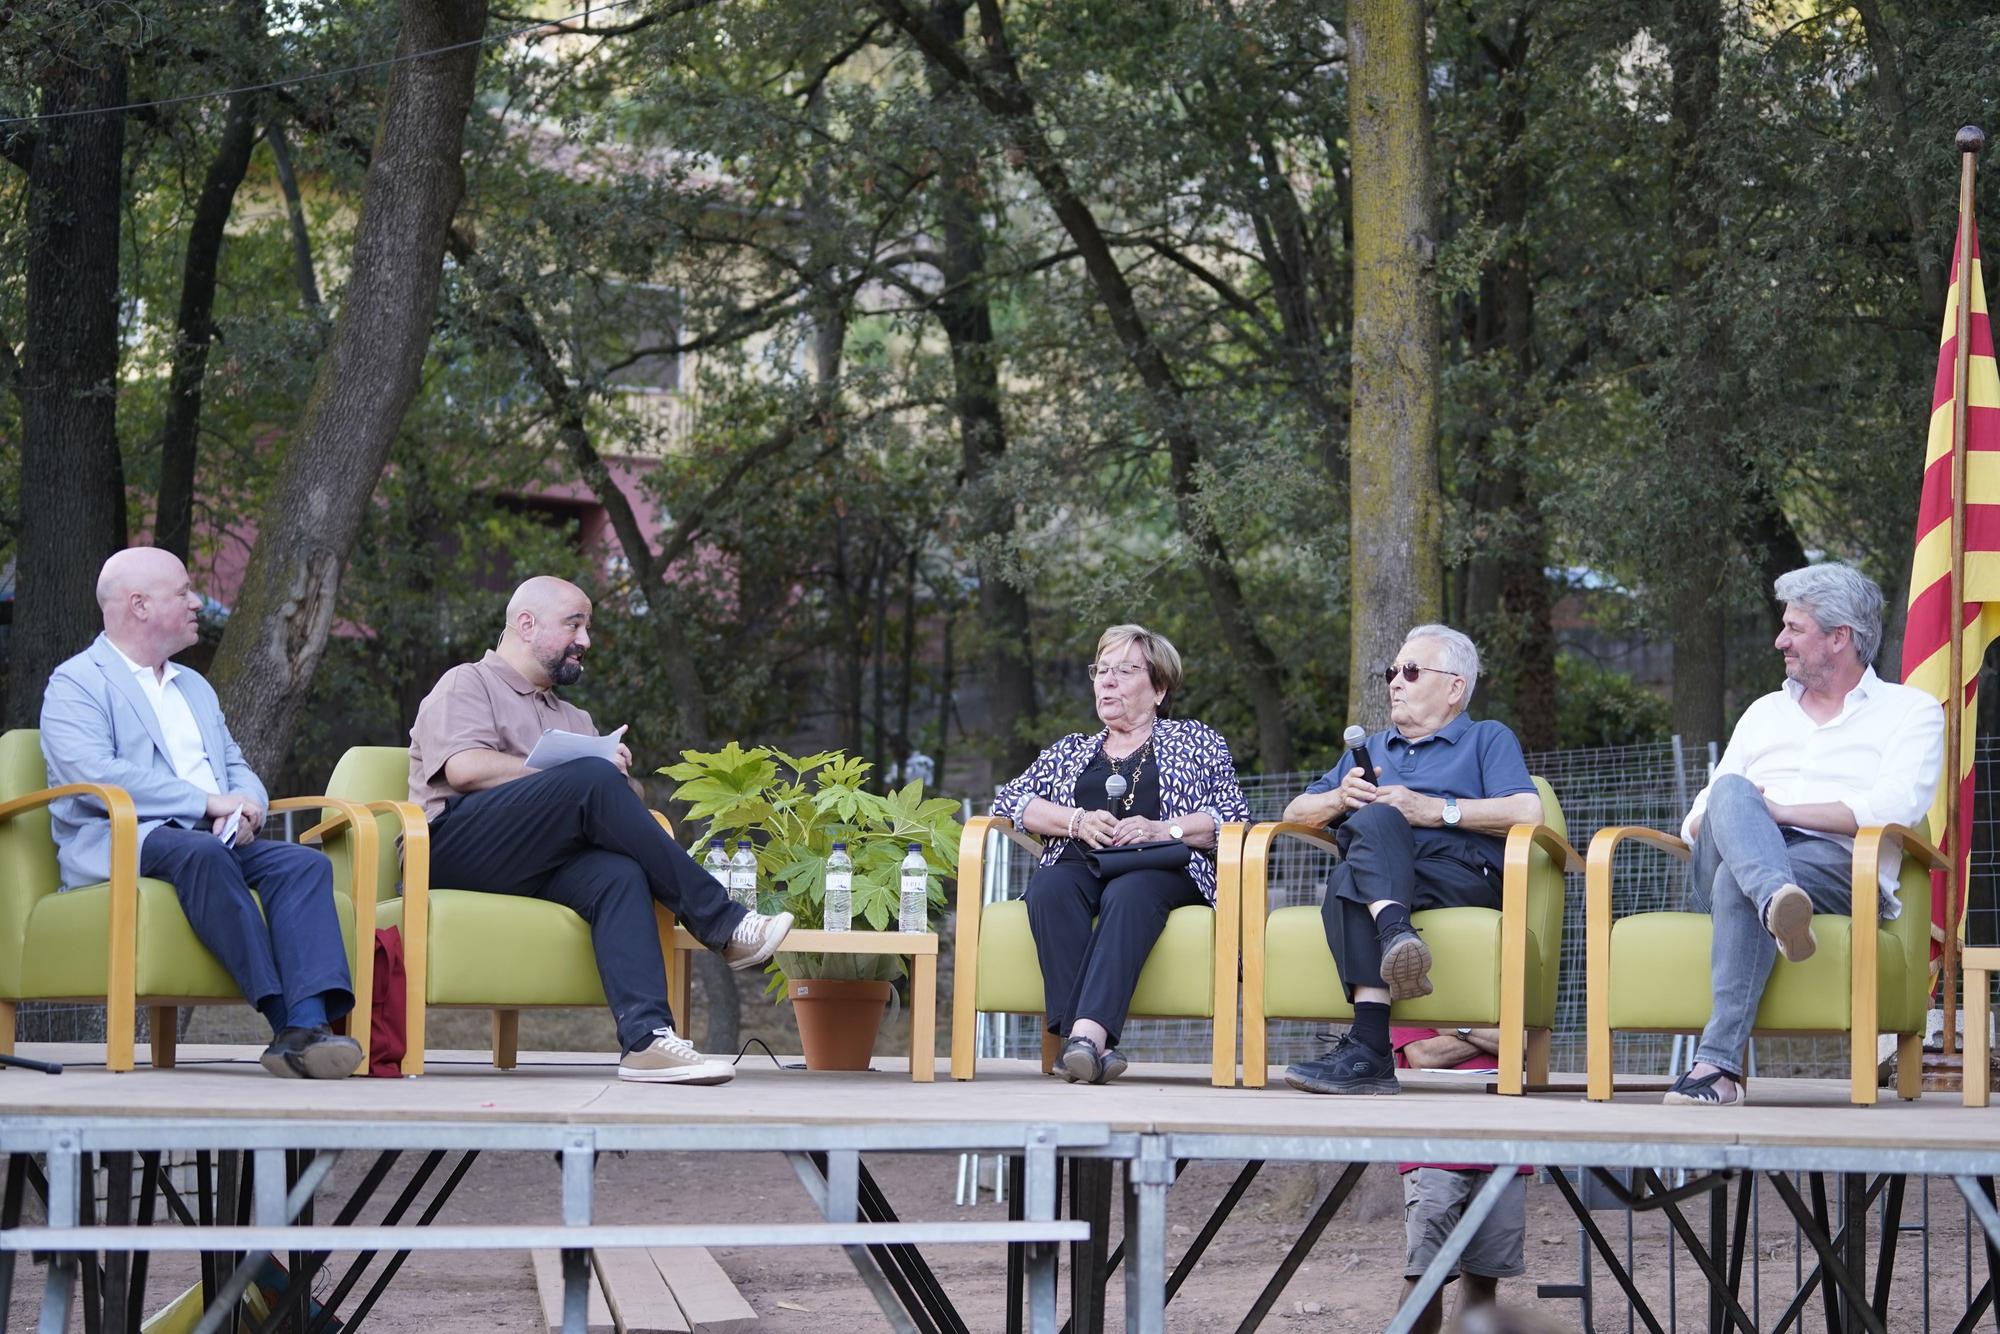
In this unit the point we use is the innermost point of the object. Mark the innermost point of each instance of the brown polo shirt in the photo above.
(484, 705)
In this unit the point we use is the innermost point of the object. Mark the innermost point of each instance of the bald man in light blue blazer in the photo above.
(120, 713)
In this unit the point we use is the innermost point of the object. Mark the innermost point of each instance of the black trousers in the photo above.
(280, 956)
(1383, 858)
(1090, 974)
(577, 835)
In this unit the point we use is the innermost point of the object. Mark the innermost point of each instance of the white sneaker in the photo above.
(755, 939)
(671, 1059)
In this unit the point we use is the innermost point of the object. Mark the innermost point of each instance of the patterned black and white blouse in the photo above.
(1196, 775)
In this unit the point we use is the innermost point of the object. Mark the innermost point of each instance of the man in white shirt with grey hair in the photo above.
(1836, 750)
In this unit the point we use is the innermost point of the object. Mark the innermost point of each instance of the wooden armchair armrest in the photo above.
(122, 924)
(1597, 943)
(1256, 854)
(971, 898)
(1522, 840)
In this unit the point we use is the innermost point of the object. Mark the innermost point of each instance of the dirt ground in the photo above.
(1347, 1283)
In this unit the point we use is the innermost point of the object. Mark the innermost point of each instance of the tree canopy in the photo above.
(867, 359)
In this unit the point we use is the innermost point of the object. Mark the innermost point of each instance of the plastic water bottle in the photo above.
(839, 915)
(716, 863)
(916, 891)
(743, 876)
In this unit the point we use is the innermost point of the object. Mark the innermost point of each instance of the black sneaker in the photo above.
(1349, 1067)
(1406, 963)
(1080, 1062)
(311, 1053)
(1114, 1064)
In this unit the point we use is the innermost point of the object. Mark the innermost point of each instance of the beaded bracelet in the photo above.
(1074, 816)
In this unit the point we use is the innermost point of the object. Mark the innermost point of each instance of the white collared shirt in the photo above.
(1880, 756)
(185, 748)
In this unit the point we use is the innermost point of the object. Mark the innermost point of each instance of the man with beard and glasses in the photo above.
(577, 834)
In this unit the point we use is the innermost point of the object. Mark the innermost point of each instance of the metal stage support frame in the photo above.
(265, 1174)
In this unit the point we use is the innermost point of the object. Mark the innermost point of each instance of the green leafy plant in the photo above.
(793, 809)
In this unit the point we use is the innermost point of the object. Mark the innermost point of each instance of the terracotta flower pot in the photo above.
(838, 1021)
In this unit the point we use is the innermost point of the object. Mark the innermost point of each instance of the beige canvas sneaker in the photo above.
(755, 939)
(671, 1059)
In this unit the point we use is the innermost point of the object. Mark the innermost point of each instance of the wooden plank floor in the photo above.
(566, 1088)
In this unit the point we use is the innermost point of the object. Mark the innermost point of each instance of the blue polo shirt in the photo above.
(1463, 759)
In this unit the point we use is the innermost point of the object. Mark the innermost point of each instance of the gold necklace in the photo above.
(1117, 785)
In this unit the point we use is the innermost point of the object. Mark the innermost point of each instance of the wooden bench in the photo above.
(658, 1290)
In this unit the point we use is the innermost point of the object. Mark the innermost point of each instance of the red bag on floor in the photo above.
(388, 1036)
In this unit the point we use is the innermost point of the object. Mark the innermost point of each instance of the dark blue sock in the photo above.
(310, 1012)
(273, 1009)
(1371, 1026)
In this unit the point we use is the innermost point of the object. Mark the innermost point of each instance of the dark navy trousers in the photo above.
(578, 835)
(1382, 857)
(292, 949)
(1091, 973)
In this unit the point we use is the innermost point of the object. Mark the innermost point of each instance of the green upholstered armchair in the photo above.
(1491, 970)
(462, 948)
(1649, 972)
(126, 942)
(1190, 974)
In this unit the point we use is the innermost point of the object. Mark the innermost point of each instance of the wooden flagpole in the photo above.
(1970, 141)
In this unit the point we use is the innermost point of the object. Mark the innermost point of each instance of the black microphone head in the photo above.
(1354, 737)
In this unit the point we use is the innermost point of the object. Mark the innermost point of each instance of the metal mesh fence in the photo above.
(1648, 785)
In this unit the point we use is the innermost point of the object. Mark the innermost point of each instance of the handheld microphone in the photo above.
(1355, 738)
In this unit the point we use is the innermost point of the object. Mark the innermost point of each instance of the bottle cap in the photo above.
(742, 842)
(840, 847)
(916, 847)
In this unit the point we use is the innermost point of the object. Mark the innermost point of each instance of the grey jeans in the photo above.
(1743, 857)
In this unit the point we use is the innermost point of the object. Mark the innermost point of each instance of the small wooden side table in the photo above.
(920, 947)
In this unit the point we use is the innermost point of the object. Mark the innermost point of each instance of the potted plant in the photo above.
(793, 809)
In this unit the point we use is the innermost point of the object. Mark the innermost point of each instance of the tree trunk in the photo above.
(1395, 508)
(72, 477)
(173, 528)
(364, 384)
(1695, 419)
(1525, 602)
(1003, 648)
(998, 85)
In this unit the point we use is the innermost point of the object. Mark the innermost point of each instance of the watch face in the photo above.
(1176, 831)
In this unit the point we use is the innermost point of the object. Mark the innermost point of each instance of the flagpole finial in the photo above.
(1971, 139)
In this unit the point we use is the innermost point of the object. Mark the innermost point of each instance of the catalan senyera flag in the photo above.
(1926, 635)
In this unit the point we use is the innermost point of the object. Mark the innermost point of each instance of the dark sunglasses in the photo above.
(1410, 671)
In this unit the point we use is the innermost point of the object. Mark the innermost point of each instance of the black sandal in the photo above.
(1689, 1091)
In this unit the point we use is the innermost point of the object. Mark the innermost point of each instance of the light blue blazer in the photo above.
(99, 727)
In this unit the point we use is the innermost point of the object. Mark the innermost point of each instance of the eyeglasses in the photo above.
(1124, 671)
(1409, 671)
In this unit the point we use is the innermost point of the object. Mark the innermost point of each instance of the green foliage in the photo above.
(1602, 707)
(793, 809)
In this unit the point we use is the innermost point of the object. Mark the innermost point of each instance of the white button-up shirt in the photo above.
(1880, 756)
(185, 748)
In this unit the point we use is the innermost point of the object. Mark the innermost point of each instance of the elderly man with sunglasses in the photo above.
(1423, 826)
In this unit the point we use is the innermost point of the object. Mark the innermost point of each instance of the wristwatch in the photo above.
(1465, 1035)
(1451, 812)
(1176, 831)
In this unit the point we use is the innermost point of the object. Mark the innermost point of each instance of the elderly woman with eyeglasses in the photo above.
(1421, 820)
(1147, 789)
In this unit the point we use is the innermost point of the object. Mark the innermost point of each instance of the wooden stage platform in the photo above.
(284, 1134)
(576, 1088)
